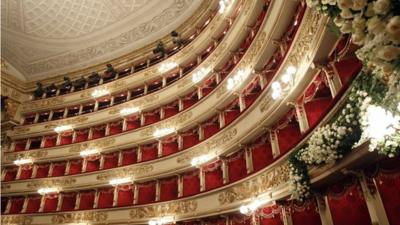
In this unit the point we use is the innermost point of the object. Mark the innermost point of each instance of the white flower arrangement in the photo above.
(373, 25)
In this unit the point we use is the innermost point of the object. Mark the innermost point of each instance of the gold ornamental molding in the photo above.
(51, 183)
(77, 120)
(132, 172)
(140, 103)
(77, 217)
(175, 208)
(12, 220)
(31, 154)
(111, 87)
(256, 186)
(21, 130)
(207, 147)
(173, 123)
(43, 103)
(93, 144)
(303, 44)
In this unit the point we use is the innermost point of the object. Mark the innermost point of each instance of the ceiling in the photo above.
(43, 38)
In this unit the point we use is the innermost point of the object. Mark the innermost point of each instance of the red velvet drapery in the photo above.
(304, 213)
(106, 198)
(125, 195)
(261, 153)
(169, 145)
(16, 204)
(190, 138)
(271, 215)
(68, 202)
(42, 170)
(59, 169)
(110, 160)
(10, 174)
(191, 183)
(87, 199)
(147, 192)
(213, 175)
(75, 166)
(33, 203)
(347, 204)
(26, 172)
(129, 157)
(50, 203)
(149, 151)
(168, 188)
(237, 166)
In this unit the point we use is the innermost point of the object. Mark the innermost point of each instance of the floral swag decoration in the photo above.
(372, 109)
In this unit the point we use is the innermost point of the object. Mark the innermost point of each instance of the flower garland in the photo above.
(374, 25)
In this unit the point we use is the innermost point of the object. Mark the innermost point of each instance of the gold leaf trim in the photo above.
(175, 208)
(80, 217)
(134, 172)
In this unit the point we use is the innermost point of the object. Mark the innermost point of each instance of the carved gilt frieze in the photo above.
(94, 144)
(181, 207)
(12, 220)
(125, 172)
(51, 183)
(80, 217)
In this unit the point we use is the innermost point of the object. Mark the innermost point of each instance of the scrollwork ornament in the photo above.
(80, 217)
(182, 207)
(12, 220)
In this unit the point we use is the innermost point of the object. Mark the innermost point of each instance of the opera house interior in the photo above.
(200, 112)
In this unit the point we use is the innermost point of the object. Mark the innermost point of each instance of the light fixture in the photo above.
(48, 190)
(163, 131)
(100, 92)
(63, 128)
(89, 152)
(199, 75)
(119, 181)
(291, 70)
(19, 162)
(162, 220)
(253, 206)
(380, 123)
(167, 66)
(197, 161)
(127, 111)
(238, 78)
(287, 80)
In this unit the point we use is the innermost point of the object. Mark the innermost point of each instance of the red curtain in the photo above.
(191, 183)
(347, 204)
(66, 138)
(116, 127)
(261, 152)
(106, 198)
(388, 183)
(110, 160)
(213, 175)
(239, 219)
(316, 109)
(215, 221)
(129, 157)
(169, 145)
(92, 163)
(149, 151)
(190, 100)
(190, 138)
(133, 122)
(50, 141)
(33, 203)
(171, 110)
(59, 169)
(151, 117)
(250, 98)
(26, 172)
(75, 166)
(348, 68)
(68, 202)
(82, 135)
(16, 205)
(11, 173)
(87, 200)
(125, 195)
(288, 137)
(210, 127)
(99, 131)
(147, 192)
(42, 170)
(305, 213)
(230, 115)
(206, 90)
(271, 215)
(50, 203)
(168, 189)
(20, 145)
(237, 166)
